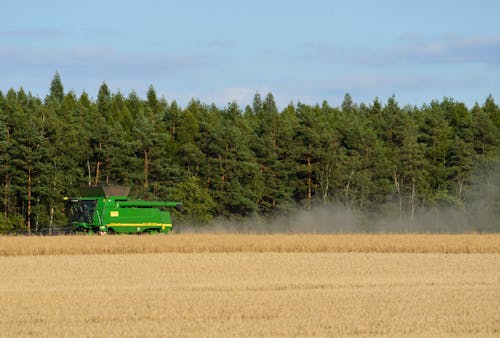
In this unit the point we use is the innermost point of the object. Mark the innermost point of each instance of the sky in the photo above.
(220, 51)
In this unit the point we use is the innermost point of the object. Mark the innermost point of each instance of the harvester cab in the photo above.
(107, 209)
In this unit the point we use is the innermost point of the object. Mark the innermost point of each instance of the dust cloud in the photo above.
(478, 212)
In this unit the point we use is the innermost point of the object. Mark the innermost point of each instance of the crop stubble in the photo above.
(261, 292)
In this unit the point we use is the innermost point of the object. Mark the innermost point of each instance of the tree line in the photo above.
(233, 162)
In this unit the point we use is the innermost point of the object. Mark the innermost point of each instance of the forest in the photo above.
(378, 160)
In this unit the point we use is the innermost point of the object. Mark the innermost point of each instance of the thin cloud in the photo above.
(102, 61)
(33, 33)
(453, 48)
(365, 84)
(101, 31)
(364, 87)
(412, 48)
(221, 43)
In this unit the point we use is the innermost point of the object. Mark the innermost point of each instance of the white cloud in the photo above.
(32, 33)
(100, 61)
(411, 48)
(453, 48)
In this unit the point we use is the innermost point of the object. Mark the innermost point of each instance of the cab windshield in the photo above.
(81, 210)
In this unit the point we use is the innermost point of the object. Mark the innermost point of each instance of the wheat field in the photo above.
(203, 243)
(303, 286)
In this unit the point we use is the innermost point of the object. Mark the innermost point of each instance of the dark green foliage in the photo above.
(56, 89)
(379, 158)
(198, 206)
(264, 145)
(104, 102)
(231, 164)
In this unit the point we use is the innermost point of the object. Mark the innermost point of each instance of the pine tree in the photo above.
(121, 163)
(286, 168)
(56, 89)
(64, 153)
(10, 110)
(4, 156)
(437, 136)
(348, 106)
(264, 145)
(327, 170)
(462, 148)
(172, 119)
(307, 150)
(27, 156)
(231, 165)
(152, 100)
(492, 109)
(120, 113)
(152, 137)
(413, 167)
(189, 155)
(134, 105)
(92, 131)
(104, 102)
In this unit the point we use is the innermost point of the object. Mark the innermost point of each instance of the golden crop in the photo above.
(250, 285)
(250, 294)
(197, 243)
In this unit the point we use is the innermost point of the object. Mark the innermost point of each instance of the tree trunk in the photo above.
(7, 186)
(397, 185)
(460, 188)
(51, 222)
(326, 187)
(412, 203)
(275, 140)
(324, 180)
(98, 167)
(347, 189)
(222, 181)
(29, 201)
(146, 170)
(309, 182)
(6, 195)
(97, 172)
(172, 132)
(88, 169)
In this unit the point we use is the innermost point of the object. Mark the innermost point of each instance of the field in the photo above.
(205, 243)
(250, 285)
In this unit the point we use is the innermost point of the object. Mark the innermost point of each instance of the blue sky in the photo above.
(220, 50)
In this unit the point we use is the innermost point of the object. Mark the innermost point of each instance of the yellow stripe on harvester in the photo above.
(142, 225)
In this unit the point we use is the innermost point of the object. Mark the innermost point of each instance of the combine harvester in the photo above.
(108, 210)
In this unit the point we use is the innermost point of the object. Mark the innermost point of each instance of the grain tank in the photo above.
(107, 209)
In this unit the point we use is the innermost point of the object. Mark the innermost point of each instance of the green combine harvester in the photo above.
(108, 210)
